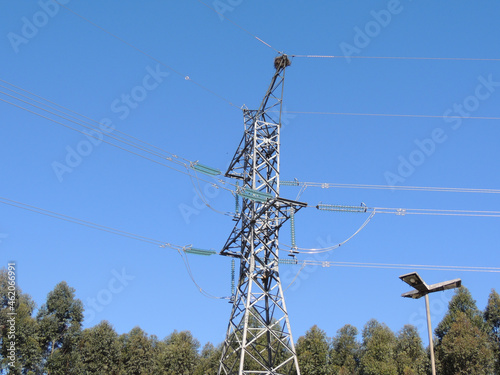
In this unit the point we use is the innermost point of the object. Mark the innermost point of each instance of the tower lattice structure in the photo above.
(259, 338)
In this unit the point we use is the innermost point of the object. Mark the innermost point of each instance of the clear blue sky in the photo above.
(75, 64)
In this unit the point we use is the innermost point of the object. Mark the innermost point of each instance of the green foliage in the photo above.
(468, 342)
(138, 353)
(28, 352)
(378, 350)
(60, 321)
(462, 302)
(208, 363)
(100, 350)
(313, 352)
(464, 349)
(60, 318)
(492, 319)
(344, 355)
(178, 354)
(411, 358)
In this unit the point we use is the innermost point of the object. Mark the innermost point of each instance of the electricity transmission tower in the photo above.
(259, 339)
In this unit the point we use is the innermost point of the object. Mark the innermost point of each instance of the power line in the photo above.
(186, 77)
(304, 263)
(185, 260)
(342, 56)
(383, 210)
(295, 278)
(92, 127)
(239, 26)
(321, 263)
(391, 115)
(396, 58)
(199, 192)
(170, 157)
(303, 250)
(90, 135)
(86, 223)
(180, 249)
(405, 211)
(143, 146)
(435, 212)
(398, 211)
(54, 105)
(328, 185)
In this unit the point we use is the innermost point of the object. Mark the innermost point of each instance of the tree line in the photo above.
(50, 340)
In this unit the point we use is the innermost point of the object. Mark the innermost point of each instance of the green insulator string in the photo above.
(342, 208)
(290, 183)
(233, 289)
(254, 195)
(197, 251)
(237, 200)
(205, 169)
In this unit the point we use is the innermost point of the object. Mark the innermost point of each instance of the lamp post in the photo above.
(422, 289)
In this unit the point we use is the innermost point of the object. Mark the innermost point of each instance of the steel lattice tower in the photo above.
(259, 339)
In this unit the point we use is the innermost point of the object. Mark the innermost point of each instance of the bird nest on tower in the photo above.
(282, 62)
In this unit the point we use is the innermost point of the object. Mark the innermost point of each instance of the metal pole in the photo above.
(431, 343)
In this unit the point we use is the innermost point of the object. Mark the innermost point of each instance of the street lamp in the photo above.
(422, 289)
